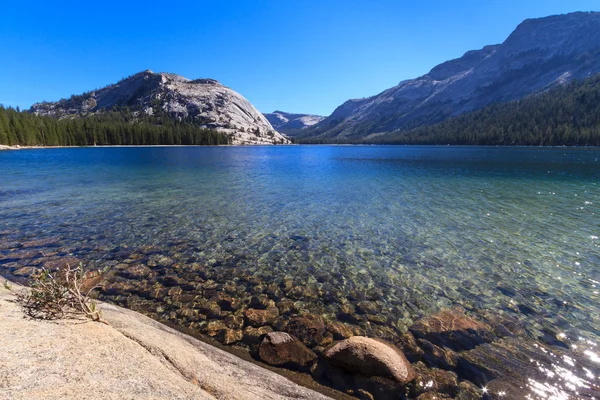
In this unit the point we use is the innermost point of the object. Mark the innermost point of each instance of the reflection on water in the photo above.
(411, 230)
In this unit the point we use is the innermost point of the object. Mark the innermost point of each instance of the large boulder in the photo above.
(371, 357)
(283, 349)
(453, 329)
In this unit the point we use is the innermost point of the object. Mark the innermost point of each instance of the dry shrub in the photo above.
(56, 295)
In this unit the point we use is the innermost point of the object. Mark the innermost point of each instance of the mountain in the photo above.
(204, 102)
(289, 123)
(539, 54)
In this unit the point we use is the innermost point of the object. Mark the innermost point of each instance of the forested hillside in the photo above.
(566, 115)
(109, 128)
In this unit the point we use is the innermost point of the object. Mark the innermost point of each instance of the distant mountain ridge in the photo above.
(205, 102)
(539, 54)
(290, 123)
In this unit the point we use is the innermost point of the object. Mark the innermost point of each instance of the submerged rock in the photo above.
(256, 317)
(371, 357)
(283, 349)
(452, 329)
(310, 330)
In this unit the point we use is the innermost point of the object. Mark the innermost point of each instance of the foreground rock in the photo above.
(283, 349)
(133, 358)
(371, 357)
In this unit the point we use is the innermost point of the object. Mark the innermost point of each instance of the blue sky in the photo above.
(292, 55)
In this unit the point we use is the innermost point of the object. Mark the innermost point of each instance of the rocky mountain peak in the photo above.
(204, 101)
(537, 55)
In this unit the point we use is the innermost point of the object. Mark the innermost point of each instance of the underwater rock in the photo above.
(261, 302)
(209, 308)
(433, 380)
(234, 321)
(137, 271)
(367, 307)
(437, 356)
(48, 242)
(433, 396)
(254, 335)
(24, 271)
(283, 349)
(213, 328)
(371, 357)
(339, 330)
(452, 329)
(229, 336)
(410, 347)
(310, 329)
(227, 302)
(257, 318)
(468, 391)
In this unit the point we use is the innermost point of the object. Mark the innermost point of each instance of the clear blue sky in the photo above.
(293, 55)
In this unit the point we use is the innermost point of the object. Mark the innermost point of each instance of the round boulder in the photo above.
(371, 357)
(283, 349)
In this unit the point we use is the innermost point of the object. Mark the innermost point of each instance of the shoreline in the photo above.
(130, 348)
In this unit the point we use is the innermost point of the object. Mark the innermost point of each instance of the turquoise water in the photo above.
(416, 229)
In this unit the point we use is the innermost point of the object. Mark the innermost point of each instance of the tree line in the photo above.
(565, 115)
(120, 127)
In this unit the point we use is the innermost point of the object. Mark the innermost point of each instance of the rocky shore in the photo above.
(134, 357)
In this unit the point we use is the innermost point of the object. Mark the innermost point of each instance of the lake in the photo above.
(393, 233)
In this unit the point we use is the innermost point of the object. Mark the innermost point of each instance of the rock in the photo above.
(261, 302)
(433, 380)
(367, 307)
(25, 271)
(209, 308)
(229, 336)
(48, 242)
(226, 302)
(283, 349)
(452, 329)
(371, 357)
(234, 321)
(433, 396)
(339, 330)
(137, 271)
(309, 329)
(254, 335)
(258, 318)
(468, 391)
(213, 328)
(61, 262)
(410, 348)
(437, 356)
(347, 313)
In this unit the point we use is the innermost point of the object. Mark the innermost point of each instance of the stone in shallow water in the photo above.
(310, 329)
(371, 357)
(254, 335)
(256, 317)
(433, 380)
(209, 308)
(339, 330)
(48, 242)
(453, 329)
(283, 349)
(229, 336)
